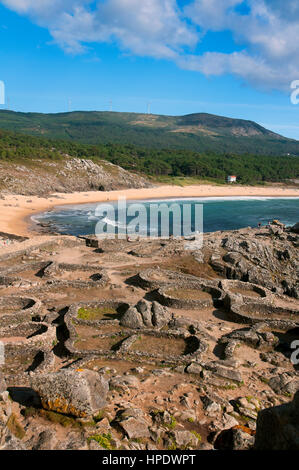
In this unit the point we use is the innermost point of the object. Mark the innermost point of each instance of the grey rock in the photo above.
(131, 413)
(74, 441)
(210, 406)
(248, 413)
(161, 315)
(146, 315)
(135, 428)
(225, 422)
(132, 319)
(249, 255)
(183, 439)
(225, 372)
(47, 440)
(79, 393)
(242, 440)
(194, 368)
(188, 415)
(283, 383)
(144, 308)
(127, 381)
(163, 418)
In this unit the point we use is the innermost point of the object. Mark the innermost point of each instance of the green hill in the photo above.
(195, 132)
(29, 151)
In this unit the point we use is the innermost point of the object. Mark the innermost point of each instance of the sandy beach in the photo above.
(16, 211)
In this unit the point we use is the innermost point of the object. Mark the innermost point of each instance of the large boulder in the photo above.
(278, 427)
(144, 308)
(132, 319)
(161, 315)
(80, 393)
(146, 315)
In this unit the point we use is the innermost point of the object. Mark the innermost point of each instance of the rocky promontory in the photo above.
(43, 177)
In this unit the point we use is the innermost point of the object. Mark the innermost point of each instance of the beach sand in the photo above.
(16, 211)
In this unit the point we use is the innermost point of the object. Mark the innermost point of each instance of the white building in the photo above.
(231, 179)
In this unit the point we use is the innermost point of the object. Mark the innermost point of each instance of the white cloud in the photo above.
(267, 32)
(147, 27)
(43, 10)
(211, 14)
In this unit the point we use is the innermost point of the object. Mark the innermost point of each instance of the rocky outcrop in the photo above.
(79, 393)
(257, 337)
(225, 369)
(146, 315)
(267, 257)
(64, 176)
(278, 427)
(284, 383)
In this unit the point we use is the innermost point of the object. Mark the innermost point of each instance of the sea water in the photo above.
(218, 214)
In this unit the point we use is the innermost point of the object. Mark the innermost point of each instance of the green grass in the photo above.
(197, 435)
(172, 423)
(185, 180)
(104, 440)
(95, 313)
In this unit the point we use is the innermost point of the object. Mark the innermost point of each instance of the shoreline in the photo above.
(16, 210)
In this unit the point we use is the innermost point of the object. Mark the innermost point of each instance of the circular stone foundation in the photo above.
(23, 332)
(17, 309)
(156, 278)
(248, 290)
(164, 346)
(275, 317)
(64, 272)
(190, 296)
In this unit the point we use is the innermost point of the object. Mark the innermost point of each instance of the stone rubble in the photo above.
(95, 360)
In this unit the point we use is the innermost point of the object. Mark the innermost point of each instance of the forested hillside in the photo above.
(151, 161)
(196, 132)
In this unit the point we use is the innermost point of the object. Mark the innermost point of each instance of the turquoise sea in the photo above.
(218, 214)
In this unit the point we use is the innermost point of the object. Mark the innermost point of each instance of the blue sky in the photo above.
(229, 57)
